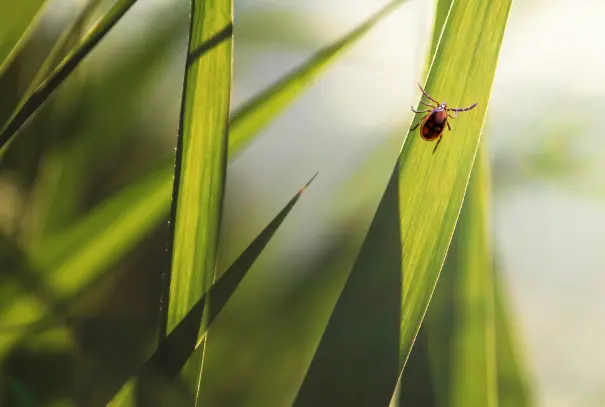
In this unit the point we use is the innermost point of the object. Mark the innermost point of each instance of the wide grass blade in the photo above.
(257, 113)
(461, 320)
(363, 347)
(186, 337)
(17, 18)
(68, 65)
(200, 168)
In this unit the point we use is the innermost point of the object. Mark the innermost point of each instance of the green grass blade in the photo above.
(251, 118)
(422, 200)
(56, 78)
(514, 386)
(60, 48)
(172, 353)
(461, 320)
(79, 256)
(112, 102)
(17, 18)
(200, 167)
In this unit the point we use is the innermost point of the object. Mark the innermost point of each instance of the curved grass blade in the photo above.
(257, 113)
(186, 337)
(17, 18)
(461, 320)
(423, 199)
(56, 78)
(200, 168)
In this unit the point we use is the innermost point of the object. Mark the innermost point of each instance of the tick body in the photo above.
(433, 124)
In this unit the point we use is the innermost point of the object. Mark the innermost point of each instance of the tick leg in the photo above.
(414, 128)
(437, 145)
(427, 95)
(448, 127)
(464, 109)
(452, 117)
(420, 111)
(426, 104)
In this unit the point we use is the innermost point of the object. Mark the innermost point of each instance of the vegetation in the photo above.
(114, 289)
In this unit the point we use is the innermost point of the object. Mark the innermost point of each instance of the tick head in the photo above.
(443, 106)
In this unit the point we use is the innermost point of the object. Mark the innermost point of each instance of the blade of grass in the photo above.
(514, 387)
(200, 169)
(17, 20)
(56, 78)
(68, 164)
(61, 47)
(186, 337)
(461, 320)
(422, 200)
(257, 113)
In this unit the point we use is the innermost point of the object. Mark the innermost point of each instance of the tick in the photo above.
(433, 123)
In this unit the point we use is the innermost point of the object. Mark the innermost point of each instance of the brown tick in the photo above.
(433, 123)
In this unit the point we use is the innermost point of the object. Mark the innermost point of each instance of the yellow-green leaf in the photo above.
(461, 321)
(200, 167)
(401, 258)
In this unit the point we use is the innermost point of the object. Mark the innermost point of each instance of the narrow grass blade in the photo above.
(17, 18)
(421, 202)
(56, 78)
(75, 259)
(262, 109)
(68, 165)
(60, 48)
(178, 347)
(200, 168)
(461, 320)
(514, 386)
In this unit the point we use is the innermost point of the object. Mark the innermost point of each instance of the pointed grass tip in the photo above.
(303, 189)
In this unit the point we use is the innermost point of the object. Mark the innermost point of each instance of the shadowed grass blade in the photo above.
(56, 78)
(186, 336)
(514, 386)
(460, 320)
(16, 21)
(421, 206)
(200, 168)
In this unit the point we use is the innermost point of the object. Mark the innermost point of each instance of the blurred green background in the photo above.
(115, 120)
